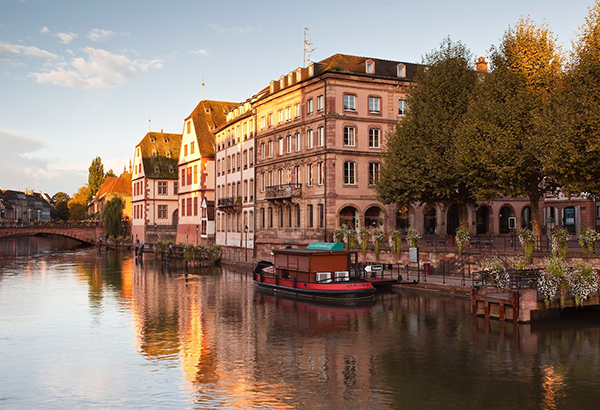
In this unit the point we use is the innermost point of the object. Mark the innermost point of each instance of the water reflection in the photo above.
(156, 338)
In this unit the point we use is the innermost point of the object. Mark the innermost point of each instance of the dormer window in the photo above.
(207, 111)
(154, 153)
(311, 69)
(401, 70)
(169, 154)
(152, 139)
(156, 170)
(370, 67)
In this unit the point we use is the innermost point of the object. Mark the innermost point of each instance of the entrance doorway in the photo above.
(452, 221)
(483, 220)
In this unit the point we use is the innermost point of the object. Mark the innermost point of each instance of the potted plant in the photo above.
(364, 235)
(588, 239)
(462, 239)
(412, 237)
(377, 241)
(527, 239)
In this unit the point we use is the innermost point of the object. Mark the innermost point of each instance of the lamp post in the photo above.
(246, 241)
(196, 235)
(155, 234)
(550, 225)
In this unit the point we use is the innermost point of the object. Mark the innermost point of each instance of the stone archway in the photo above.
(505, 213)
(402, 219)
(374, 218)
(348, 217)
(452, 220)
(482, 218)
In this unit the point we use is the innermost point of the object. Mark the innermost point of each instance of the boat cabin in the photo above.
(320, 262)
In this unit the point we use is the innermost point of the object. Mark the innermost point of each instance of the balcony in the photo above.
(283, 192)
(230, 202)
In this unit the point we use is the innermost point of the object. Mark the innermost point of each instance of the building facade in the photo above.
(154, 187)
(113, 187)
(197, 170)
(24, 207)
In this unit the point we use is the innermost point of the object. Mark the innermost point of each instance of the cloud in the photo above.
(7, 49)
(203, 52)
(98, 34)
(44, 30)
(101, 69)
(66, 38)
(20, 168)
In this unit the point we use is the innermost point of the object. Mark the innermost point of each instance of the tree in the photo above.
(78, 205)
(60, 200)
(112, 217)
(110, 173)
(95, 176)
(420, 160)
(574, 115)
(503, 143)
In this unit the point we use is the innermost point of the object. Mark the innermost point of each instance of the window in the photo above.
(262, 150)
(288, 113)
(373, 173)
(189, 176)
(182, 206)
(195, 174)
(309, 139)
(175, 188)
(309, 106)
(309, 216)
(320, 137)
(349, 173)
(349, 102)
(192, 147)
(374, 138)
(245, 191)
(370, 67)
(288, 143)
(251, 190)
(401, 70)
(262, 218)
(245, 156)
(162, 212)
(280, 214)
(320, 104)
(182, 176)
(251, 156)
(280, 116)
(185, 150)
(238, 161)
(218, 167)
(270, 178)
(297, 216)
(297, 110)
(280, 144)
(321, 216)
(162, 188)
(321, 173)
(263, 122)
(374, 105)
(189, 127)
(270, 120)
(195, 206)
(270, 217)
(289, 216)
(309, 174)
(349, 139)
(401, 107)
(189, 207)
(271, 149)
(297, 141)
(296, 175)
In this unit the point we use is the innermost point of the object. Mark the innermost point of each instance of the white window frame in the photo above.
(374, 105)
(349, 136)
(320, 104)
(309, 174)
(310, 139)
(309, 106)
(374, 173)
(374, 138)
(349, 102)
(349, 173)
(320, 137)
(401, 106)
(320, 174)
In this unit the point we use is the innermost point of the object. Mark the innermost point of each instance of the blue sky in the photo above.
(81, 78)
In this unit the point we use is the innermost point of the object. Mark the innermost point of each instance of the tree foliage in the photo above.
(503, 143)
(95, 176)
(78, 205)
(574, 115)
(112, 217)
(60, 201)
(420, 160)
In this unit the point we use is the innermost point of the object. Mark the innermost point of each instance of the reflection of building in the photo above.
(320, 136)
(24, 207)
(113, 187)
(197, 169)
(154, 187)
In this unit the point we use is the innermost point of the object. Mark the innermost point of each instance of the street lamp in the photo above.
(550, 225)
(155, 234)
(196, 235)
(246, 243)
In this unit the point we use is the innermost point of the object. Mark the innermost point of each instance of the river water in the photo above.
(82, 329)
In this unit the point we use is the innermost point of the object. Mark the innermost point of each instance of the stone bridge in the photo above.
(84, 234)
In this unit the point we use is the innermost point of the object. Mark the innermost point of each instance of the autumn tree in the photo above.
(112, 217)
(60, 201)
(78, 205)
(420, 162)
(574, 114)
(503, 144)
(95, 177)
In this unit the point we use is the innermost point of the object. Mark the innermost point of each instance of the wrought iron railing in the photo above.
(229, 202)
(284, 191)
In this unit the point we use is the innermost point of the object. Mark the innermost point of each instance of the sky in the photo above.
(87, 78)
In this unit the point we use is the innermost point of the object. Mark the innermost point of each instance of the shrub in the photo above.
(527, 239)
(588, 239)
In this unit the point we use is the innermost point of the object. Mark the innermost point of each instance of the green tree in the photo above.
(420, 162)
(574, 114)
(110, 173)
(60, 200)
(95, 176)
(78, 205)
(503, 144)
(112, 217)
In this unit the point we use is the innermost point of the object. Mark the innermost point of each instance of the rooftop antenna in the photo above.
(149, 121)
(307, 49)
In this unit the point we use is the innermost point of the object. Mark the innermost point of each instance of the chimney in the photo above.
(481, 64)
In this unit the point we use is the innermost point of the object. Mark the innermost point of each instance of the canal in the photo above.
(82, 329)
